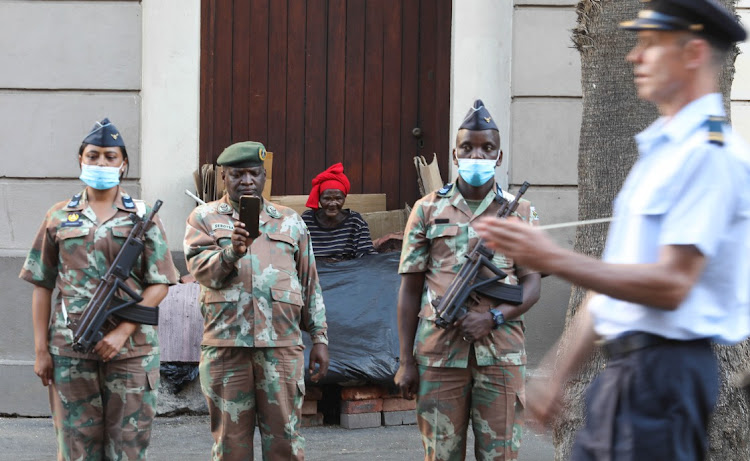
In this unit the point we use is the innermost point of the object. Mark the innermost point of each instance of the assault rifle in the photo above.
(104, 304)
(452, 305)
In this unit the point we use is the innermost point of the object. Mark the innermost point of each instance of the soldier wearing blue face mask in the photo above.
(103, 157)
(103, 402)
(473, 371)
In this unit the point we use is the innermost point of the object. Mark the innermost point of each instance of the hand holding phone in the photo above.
(249, 214)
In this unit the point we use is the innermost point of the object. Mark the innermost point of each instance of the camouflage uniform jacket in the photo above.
(437, 238)
(265, 297)
(72, 251)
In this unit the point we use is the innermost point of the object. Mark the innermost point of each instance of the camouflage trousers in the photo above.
(103, 410)
(240, 383)
(491, 396)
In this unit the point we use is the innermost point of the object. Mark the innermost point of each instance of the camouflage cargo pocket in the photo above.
(73, 247)
(219, 305)
(287, 313)
(443, 244)
(281, 250)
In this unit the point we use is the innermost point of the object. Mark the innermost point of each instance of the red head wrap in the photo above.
(332, 178)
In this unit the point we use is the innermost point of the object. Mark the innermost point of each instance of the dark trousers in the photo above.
(651, 404)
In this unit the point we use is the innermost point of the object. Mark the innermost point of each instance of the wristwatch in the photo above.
(497, 317)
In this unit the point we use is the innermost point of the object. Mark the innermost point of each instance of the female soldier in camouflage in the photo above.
(102, 402)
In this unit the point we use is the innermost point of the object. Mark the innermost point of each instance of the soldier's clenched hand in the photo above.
(109, 346)
(407, 379)
(475, 325)
(43, 366)
(319, 356)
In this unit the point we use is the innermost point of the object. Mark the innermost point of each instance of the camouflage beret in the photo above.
(245, 154)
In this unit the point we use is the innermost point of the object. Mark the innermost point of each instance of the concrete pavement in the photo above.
(187, 438)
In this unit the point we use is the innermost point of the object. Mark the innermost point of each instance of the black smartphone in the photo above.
(249, 214)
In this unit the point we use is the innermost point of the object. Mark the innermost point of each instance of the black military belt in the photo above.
(633, 342)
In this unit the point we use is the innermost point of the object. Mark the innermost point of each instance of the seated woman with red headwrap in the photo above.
(336, 233)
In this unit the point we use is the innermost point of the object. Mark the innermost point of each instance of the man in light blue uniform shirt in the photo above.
(676, 267)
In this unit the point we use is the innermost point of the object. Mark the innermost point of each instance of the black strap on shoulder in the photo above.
(716, 130)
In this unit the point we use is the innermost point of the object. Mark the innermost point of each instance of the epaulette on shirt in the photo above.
(128, 202)
(75, 200)
(138, 205)
(501, 195)
(445, 189)
(715, 130)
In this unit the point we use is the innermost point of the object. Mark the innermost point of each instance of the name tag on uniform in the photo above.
(218, 225)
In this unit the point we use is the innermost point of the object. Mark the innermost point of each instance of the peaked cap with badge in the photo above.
(703, 17)
(246, 154)
(478, 118)
(104, 134)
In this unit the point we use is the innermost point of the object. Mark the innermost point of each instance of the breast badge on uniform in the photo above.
(224, 208)
(272, 211)
(74, 220)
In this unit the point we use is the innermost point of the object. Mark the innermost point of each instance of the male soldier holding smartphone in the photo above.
(256, 295)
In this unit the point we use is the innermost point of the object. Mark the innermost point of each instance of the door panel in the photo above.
(326, 81)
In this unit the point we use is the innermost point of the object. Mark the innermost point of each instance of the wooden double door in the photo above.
(362, 82)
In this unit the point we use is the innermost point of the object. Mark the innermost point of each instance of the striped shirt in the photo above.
(349, 240)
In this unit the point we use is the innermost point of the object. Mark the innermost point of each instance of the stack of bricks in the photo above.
(373, 406)
(398, 411)
(310, 414)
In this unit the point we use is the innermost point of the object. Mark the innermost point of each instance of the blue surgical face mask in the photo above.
(476, 172)
(100, 177)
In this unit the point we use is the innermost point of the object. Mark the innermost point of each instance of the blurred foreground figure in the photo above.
(675, 270)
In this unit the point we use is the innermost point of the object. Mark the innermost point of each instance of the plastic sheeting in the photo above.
(360, 297)
(178, 374)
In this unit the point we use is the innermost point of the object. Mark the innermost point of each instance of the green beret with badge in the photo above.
(245, 154)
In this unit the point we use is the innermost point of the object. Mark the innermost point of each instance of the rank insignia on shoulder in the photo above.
(74, 220)
(224, 208)
(74, 201)
(128, 202)
(445, 189)
(715, 130)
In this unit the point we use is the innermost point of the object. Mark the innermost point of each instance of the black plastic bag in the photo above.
(360, 297)
(177, 375)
